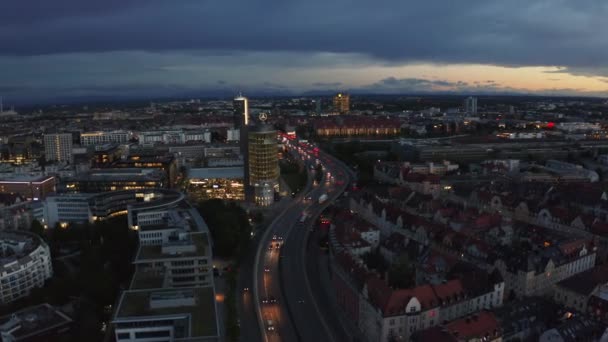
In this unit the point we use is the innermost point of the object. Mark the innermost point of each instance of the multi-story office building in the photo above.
(216, 182)
(174, 254)
(176, 315)
(263, 164)
(102, 138)
(82, 208)
(25, 263)
(58, 147)
(173, 137)
(172, 296)
(105, 155)
(470, 105)
(342, 103)
(102, 180)
(165, 163)
(30, 187)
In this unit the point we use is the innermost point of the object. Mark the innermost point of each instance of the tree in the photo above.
(375, 260)
(228, 224)
(319, 173)
(402, 273)
(37, 228)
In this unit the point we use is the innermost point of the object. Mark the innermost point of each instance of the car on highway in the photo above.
(245, 289)
(270, 325)
(266, 269)
(272, 300)
(264, 300)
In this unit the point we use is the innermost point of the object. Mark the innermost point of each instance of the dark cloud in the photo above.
(513, 33)
(327, 84)
(393, 85)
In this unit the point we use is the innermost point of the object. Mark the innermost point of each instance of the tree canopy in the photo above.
(228, 224)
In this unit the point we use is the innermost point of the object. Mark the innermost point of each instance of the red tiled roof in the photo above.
(480, 325)
(393, 302)
(450, 290)
(600, 228)
(572, 246)
(487, 221)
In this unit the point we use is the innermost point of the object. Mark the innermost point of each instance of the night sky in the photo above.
(157, 47)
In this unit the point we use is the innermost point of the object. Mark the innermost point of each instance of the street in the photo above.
(286, 308)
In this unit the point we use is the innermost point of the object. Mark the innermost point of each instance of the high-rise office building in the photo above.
(241, 122)
(263, 164)
(342, 103)
(241, 111)
(58, 147)
(470, 105)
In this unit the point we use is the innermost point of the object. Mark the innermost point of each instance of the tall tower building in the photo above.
(58, 147)
(342, 103)
(241, 122)
(470, 105)
(263, 164)
(241, 111)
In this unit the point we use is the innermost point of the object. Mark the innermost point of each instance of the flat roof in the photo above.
(35, 320)
(217, 172)
(202, 315)
(200, 241)
(24, 178)
(147, 280)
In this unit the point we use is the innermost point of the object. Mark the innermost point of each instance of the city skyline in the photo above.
(118, 49)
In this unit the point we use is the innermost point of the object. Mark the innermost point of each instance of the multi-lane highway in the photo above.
(282, 295)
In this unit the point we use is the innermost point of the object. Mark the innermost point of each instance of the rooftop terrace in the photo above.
(202, 315)
(200, 241)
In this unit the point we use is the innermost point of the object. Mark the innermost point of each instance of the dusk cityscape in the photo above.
(323, 171)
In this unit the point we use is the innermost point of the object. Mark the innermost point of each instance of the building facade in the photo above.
(263, 164)
(470, 105)
(25, 263)
(102, 138)
(31, 188)
(173, 137)
(81, 208)
(58, 147)
(103, 180)
(341, 103)
(172, 295)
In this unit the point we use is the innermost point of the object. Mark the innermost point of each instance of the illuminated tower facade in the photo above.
(241, 122)
(342, 103)
(263, 164)
(241, 111)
